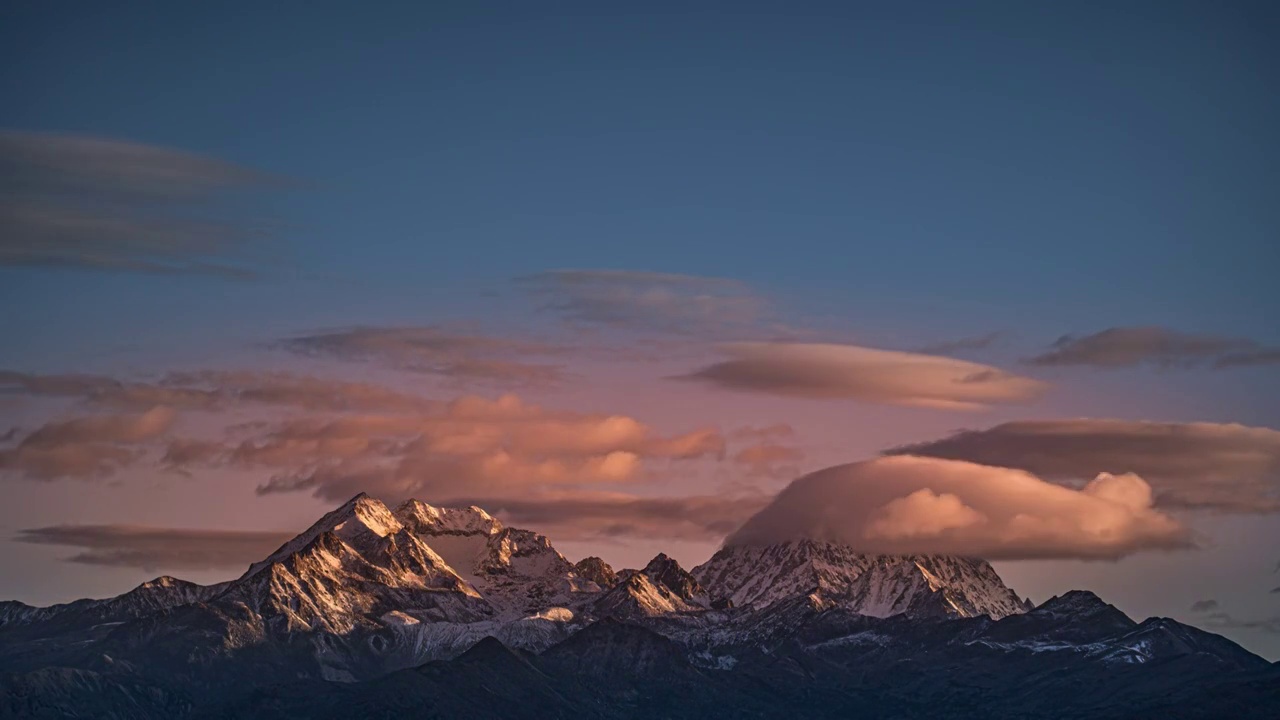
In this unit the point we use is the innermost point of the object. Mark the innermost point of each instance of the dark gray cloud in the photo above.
(460, 355)
(1249, 358)
(976, 342)
(1204, 606)
(66, 385)
(656, 302)
(1226, 621)
(154, 549)
(828, 371)
(114, 205)
(588, 516)
(107, 391)
(1122, 347)
(1225, 467)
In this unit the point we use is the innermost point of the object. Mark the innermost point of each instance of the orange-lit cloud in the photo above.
(85, 447)
(826, 371)
(356, 437)
(910, 505)
(471, 445)
(769, 460)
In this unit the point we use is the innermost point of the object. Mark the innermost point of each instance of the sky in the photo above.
(620, 275)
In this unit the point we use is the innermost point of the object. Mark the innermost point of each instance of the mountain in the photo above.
(661, 588)
(148, 598)
(597, 571)
(517, 571)
(876, 585)
(422, 611)
(836, 664)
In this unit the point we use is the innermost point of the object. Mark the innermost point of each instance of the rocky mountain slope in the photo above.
(420, 611)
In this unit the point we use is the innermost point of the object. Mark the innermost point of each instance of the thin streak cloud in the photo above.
(1158, 347)
(155, 548)
(114, 205)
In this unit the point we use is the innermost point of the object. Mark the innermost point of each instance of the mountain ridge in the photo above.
(369, 593)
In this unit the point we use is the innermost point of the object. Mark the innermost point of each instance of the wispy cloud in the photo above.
(824, 371)
(1226, 621)
(154, 549)
(107, 204)
(647, 301)
(1225, 467)
(305, 392)
(975, 342)
(1124, 347)
(216, 390)
(1213, 616)
(64, 385)
(770, 460)
(461, 355)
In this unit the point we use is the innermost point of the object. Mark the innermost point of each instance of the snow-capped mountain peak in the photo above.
(358, 521)
(432, 520)
(661, 588)
(877, 585)
(666, 572)
(597, 571)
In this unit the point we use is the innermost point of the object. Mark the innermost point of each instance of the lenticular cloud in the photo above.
(910, 505)
(826, 371)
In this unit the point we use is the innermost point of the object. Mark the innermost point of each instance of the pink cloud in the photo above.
(85, 447)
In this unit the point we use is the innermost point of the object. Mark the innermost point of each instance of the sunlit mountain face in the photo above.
(715, 361)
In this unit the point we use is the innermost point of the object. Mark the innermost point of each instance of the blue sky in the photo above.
(1044, 165)
(889, 175)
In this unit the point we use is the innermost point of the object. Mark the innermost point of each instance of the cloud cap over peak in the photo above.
(913, 505)
(831, 371)
(1225, 467)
